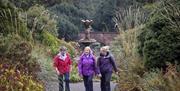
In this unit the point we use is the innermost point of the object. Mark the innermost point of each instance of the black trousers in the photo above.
(61, 81)
(105, 81)
(88, 82)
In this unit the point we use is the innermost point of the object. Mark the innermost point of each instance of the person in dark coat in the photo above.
(105, 66)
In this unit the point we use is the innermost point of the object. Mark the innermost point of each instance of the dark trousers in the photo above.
(105, 81)
(61, 81)
(88, 82)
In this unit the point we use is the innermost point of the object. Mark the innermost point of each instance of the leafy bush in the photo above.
(12, 23)
(14, 80)
(54, 44)
(172, 78)
(153, 81)
(74, 76)
(67, 30)
(159, 41)
(133, 74)
(104, 16)
(159, 37)
(130, 18)
(157, 81)
(40, 19)
(130, 63)
(67, 23)
(18, 52)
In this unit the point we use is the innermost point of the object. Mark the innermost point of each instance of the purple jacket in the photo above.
(87, 65)
(106, 64)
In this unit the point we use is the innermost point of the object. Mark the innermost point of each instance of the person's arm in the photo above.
(94, 65)
(80, 66)
(57, 71)
(113, 64)
(70, 63)
(55, 64)
(98, 66)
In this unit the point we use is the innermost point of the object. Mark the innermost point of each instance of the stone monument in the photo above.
(87, 40)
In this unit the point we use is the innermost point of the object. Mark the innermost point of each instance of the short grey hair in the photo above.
(63, 48)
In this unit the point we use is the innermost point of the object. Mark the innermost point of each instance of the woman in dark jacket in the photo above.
(105, 67)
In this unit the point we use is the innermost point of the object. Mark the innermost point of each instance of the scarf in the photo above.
(62, 57)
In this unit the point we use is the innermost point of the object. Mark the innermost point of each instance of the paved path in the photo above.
(53, 86)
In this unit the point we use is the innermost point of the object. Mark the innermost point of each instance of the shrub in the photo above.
(12, 23)
(159, 41)
(172, 78)
(130, 18)
(67, 30)
(74, 76)
(14, 80)
(67, 23)
(54, 44)
(39, 19)
(133, 75)
(130, 63)
(18, 52)
(153, 81)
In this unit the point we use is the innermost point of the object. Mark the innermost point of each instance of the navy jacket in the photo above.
(106, 63)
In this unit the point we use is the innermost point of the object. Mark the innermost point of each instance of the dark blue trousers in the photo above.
(61, 81)
(88, 82)
(105, 81)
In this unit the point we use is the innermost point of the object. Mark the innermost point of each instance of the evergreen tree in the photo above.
(104, 15)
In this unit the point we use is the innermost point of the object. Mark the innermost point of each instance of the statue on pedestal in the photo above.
(87, 24)
(87, 40)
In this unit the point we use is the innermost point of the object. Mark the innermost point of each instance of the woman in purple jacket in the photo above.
(87, 68)
(105, 66)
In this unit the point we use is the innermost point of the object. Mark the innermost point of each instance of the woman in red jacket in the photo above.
(62, 64)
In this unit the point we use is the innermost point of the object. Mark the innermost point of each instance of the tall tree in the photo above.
(104, 16)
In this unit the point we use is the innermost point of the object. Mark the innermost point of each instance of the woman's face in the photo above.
(63, 52)
(103, 51)
(87, 51)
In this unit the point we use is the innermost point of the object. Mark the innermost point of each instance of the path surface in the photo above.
(53, 86)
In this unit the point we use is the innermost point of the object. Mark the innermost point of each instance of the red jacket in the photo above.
(62, 66)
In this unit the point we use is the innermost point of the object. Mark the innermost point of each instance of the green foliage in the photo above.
(6, 4)
(12, 23)
(54, 43)
(14, 80)
(159, 41)
(130, 18)
(133, 75)
(39, 19)
(18, 52)
(157, 81)
(130, 63)
(18, 29)
(146, 1)
(26, 4)
(154, 81)
(172, 78)
(69, 20)
(104, 16)
(67, 30)
(51, 41)
(74, 75)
